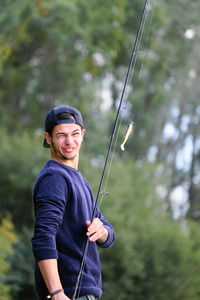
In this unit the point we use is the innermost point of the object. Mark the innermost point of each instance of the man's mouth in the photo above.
(68, 149)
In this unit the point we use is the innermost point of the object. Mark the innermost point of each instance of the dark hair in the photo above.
(63, 116)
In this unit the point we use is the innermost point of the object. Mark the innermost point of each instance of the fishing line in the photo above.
(133, 60)
(152, 8)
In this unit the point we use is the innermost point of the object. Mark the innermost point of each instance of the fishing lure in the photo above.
(128, 132)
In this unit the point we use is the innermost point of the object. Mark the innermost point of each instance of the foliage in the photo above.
(51, 47)
(77, 52)
(7, 239)
(26, 156)
(20, 277)
(154, 257)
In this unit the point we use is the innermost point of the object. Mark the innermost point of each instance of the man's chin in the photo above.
(68, 157)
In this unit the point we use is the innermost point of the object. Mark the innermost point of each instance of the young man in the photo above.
(63, 204)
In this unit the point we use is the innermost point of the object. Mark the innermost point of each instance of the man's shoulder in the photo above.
(51, 177)
(52, 170)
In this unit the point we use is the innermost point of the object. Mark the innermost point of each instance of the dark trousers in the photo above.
(88, 297)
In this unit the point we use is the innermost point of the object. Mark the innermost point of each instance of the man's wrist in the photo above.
(104, 238)
(54, 293)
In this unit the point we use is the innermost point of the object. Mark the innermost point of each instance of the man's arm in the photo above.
(50, 196)
(49, 271)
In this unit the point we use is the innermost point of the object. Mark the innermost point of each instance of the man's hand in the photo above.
(96, 231)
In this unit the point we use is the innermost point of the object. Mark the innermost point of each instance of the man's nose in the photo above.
(68, 139)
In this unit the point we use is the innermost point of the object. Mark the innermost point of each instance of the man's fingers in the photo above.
(95, 225)
(87, 223)
(94, 230)
(94, 237)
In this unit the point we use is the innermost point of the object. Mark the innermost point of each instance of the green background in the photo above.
(76, 52)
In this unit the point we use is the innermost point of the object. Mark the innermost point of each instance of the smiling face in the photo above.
(65, 142)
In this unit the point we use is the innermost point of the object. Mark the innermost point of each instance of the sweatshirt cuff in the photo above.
(110, 240)
(45, 253)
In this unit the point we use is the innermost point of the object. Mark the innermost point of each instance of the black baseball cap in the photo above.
(52, 119)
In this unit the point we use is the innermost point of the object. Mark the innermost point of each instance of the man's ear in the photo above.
(47, 138)
(83, 131)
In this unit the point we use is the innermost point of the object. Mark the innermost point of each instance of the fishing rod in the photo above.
(133, 57)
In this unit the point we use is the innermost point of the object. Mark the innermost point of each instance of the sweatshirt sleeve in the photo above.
(111, 234)
(50, 196)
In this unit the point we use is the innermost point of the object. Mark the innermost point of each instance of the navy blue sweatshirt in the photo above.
(63, 202)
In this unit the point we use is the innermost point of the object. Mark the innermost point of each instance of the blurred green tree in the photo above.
(7, 239)
(54, 52)
(20, 278)
(26, 157)
(154, 257)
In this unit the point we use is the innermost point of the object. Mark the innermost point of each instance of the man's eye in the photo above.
(60, 135)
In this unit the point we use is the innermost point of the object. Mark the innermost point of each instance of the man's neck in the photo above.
(70, 163)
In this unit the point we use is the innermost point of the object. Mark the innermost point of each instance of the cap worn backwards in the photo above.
(52, 119)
